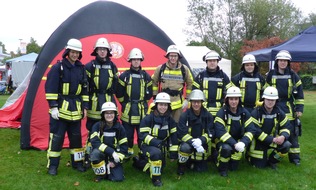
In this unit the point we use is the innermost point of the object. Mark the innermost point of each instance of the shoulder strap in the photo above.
(61, 69)
(243, 118)
(222, 74)
(162, 69)
(258, 114)
(293, 78)
(183, 72)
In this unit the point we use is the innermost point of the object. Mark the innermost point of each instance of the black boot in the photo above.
(272, 165)
(223, 173)
(296, 162)
(223, 169)
(52, 170)
(156, 181)
(181, 168)
(80, 167)
(53, 165)
(77, 165)
(100, 178)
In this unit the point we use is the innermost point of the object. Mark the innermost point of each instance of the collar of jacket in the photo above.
(178, 66)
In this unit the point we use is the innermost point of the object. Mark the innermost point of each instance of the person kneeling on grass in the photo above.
(195, 130)
(109, 145)
(273, 132)
(158, 133)
(239, 132)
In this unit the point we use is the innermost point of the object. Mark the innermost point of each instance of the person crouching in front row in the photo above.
(109, 145)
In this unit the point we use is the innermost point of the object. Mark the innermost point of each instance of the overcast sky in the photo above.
(23, 19)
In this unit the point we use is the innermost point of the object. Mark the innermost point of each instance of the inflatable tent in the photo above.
(123, 27)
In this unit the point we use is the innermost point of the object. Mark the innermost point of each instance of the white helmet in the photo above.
(101, 42)
(135, 54)
(283, 54)
(212, 55)
(270, 93)
(233, 92)
(197, 95)
(173, 49)
(108, 106)
(162, 97)
(249, 58)
(74, 44)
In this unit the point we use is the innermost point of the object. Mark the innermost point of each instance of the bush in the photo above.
(307, 81)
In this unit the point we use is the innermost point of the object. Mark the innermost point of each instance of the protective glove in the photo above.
(115, 157)
(185, 104)
(55, 113)
(240, 146)
(196, 143)
(200, 149)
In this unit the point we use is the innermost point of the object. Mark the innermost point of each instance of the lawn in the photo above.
(26, 169)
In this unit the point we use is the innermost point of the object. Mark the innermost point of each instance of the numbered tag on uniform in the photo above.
(78, 155)
(155, 168)
(183, 158)
(99, 169)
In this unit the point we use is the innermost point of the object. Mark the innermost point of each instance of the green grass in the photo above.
(26, 169)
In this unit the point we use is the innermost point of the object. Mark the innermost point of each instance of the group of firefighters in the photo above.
(192, 120)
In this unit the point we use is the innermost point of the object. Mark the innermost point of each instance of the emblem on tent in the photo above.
(117, 50)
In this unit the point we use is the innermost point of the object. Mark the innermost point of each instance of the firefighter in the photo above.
(109, 145)
(195, 130)
(173, 77)
(239, 131)
(250, 82)
(213, 82)
(291, 97)
(158, 133)
(102, 78)
(134, 91)
(66, 93)
(273, 131)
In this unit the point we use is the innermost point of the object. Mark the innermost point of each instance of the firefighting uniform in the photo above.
(102, 79)
(159, 136)
(291, 100)
(173, 82)
(105, 140)
(268, 126)
(251, 87)
(239, 128)
(214, 86)
(194, 126)
(133, 92)
(66, 89)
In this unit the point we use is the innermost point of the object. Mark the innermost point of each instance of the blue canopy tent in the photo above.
(302, 48)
